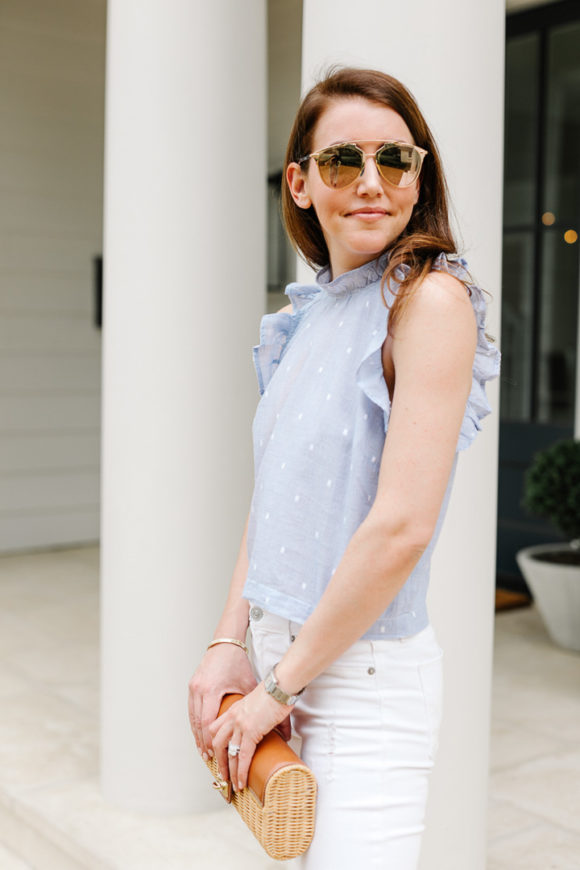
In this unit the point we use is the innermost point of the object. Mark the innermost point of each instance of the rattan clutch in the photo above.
(279, 801)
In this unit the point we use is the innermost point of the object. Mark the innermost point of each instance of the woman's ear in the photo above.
(417, 191)
(298, 184)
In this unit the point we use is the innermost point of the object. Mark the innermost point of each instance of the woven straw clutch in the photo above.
(279, 801)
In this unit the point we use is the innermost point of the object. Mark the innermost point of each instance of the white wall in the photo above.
(52, 56)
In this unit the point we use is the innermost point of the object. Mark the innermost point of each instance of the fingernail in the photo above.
(205, 756)
(210, 753)
(240, 786)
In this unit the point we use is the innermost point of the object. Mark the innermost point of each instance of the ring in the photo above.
(233, 750)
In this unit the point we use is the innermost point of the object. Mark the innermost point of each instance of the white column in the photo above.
(450, 54)
(184, 290)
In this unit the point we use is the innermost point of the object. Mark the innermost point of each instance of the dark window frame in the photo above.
(540, 20)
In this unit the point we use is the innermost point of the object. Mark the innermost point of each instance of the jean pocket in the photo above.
(268, 647)
(431, 680)
(256, 652)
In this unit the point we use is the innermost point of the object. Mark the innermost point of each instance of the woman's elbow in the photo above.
(410, 536)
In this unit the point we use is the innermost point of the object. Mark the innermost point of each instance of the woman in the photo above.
(371, 382)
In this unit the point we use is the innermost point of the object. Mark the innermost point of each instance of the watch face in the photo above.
(272, 687)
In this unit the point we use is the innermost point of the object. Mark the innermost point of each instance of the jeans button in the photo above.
(256, 613)
(371, 671)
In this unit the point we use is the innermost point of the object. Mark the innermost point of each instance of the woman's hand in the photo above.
(244, 725)
(224, 668)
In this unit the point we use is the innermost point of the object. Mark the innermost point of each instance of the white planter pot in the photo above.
(556, 591)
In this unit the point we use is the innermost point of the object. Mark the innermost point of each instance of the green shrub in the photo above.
(552, 486)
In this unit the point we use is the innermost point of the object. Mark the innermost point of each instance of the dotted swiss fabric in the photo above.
(319, 432)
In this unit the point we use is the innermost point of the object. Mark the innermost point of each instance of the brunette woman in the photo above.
(372, 381)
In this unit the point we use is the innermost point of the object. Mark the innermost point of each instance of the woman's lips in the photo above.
(368, 214)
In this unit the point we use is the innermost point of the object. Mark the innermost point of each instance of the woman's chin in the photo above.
(372, 240)
(370, 248)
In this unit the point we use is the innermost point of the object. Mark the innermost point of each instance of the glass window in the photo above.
(541, 246)
(521, 108)
(558, 329)
(560, 226)
(562, 165)
(517, 325)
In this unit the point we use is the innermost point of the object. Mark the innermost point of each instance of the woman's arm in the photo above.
(234, 619)
(224, 668)
(432, 351)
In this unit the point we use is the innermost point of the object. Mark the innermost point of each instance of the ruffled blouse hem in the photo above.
(277, 329)
(487, 358)
(486, 364)
(370, 376)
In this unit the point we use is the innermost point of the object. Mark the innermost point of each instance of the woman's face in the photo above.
(359, 221)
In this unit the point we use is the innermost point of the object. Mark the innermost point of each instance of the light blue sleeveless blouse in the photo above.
(319, 433)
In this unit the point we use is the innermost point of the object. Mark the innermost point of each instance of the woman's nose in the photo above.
(370, 180)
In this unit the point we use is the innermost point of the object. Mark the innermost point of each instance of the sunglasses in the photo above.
(340, 165)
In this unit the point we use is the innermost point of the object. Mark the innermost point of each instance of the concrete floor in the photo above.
(52, 816)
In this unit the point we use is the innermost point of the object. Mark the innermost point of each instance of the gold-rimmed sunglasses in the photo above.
(339, 165)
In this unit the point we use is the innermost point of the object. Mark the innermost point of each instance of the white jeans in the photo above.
(368, 727)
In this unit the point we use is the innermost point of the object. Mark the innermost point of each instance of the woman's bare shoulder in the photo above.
(441, 288)
(439, 302)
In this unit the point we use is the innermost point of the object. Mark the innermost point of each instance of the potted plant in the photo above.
(552, 571)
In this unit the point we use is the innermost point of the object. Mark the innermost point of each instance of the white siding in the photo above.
(52, 76)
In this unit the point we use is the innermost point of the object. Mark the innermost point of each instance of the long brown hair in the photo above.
(428, 232)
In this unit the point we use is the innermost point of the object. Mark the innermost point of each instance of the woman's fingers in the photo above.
(202, 711)
(234, 754)
(244, 725)
(225, 735)
(240, 775)
(234, 746)
(235, 766)
(210, 709)
(194, 712)
(224, 668)
(220, 748)
(285, 729)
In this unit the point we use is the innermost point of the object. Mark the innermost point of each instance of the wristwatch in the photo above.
(272, 688)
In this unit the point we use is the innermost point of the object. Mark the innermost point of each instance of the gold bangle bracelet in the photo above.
(233, 640)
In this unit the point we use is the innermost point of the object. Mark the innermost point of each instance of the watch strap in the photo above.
(272, 687)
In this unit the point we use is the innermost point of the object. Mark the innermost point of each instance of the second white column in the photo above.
(450, 55)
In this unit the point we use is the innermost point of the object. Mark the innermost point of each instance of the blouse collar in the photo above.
(356, 279)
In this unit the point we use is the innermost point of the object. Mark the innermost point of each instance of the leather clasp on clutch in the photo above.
(225, 788)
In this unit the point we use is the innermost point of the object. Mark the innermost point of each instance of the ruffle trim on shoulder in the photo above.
(276, 330)
(487, 357)
(370, 377)
(300, 294)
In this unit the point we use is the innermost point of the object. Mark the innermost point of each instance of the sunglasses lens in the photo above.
(339, 166)
(399, 164)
